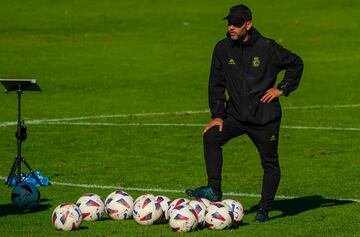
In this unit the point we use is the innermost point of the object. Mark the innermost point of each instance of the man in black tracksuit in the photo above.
(245, 65)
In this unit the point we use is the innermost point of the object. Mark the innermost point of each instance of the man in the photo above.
(245, 65)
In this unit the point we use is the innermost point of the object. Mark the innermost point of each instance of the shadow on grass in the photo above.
(9, 209)
(83, 228)
(295, 206)
(104, 218)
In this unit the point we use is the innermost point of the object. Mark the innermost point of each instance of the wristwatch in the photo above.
(283, 89)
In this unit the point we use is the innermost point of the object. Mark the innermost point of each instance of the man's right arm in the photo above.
(217, 98)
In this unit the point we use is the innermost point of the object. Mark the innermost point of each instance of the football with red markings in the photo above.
(147, 211)
(204, 200)
(175, 203)
(183, 219)
(200, 210)
(91, 206)
(145, 195)
(218, 216)
(119, 205)
(237, 211)
(164, 203)
(67, 216)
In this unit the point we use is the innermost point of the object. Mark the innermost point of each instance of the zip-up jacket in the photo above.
(246, 70)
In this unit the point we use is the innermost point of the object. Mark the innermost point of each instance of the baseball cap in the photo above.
(238, 15)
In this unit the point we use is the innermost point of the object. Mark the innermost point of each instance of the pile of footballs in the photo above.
(182, 214)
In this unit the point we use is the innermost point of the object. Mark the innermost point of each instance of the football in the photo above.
(183, 219)
(147, 211)
(175, 203)
(25, 196)
(218, 216)
(67, 216)
(119, 205)
(144, 196)
(237, 211)
(205, 201)
(91, 206)
(164, 203)
(200, 210)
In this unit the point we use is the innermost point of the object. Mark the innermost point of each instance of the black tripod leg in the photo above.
(12, 172)
(31, 172)
(19, 171)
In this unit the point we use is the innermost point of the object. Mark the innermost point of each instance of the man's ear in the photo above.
(248, 25)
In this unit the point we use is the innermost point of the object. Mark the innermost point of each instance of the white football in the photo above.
(200, 210)
(218, 216)
(164, 203)
(144, 196)
(205, 201)
(147, 211)
(67, 216)
(119, 205)
(175, 203)
(183, 219)
(237, 210)
(91, 206)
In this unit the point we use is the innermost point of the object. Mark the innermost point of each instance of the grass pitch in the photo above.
(96, 58)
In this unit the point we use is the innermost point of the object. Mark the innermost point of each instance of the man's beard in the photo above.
(238, 37)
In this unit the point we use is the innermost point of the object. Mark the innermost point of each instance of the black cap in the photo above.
(238, 15)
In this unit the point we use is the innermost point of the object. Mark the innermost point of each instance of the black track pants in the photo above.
(265, 138)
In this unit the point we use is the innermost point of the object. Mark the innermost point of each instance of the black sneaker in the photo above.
(261, 216)
(204, 192)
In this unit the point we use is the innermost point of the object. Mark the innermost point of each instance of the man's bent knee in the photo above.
(213, 136)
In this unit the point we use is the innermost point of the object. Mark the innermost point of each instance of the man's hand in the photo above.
(271, 94)
(215, 122)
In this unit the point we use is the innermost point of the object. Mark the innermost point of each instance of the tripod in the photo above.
(19, 86)
(20, 137)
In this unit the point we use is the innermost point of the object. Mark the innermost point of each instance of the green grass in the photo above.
(123, 57)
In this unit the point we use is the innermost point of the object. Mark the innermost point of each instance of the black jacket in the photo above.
(246, 71)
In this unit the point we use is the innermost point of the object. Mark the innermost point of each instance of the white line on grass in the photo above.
(186, 125)
(322, 128)
(322, 106)
(251, 195)
(129, 124)
(40, 121)
(160, 190)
